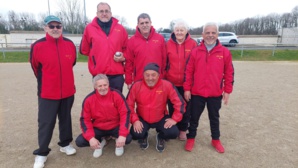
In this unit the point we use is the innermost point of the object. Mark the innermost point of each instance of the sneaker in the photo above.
(218, 146)
(143, 143)
(39, 161)
(160, 143)
(98, 152)
(119, 151)
(190, 143)
(68, 150)
(182, 136)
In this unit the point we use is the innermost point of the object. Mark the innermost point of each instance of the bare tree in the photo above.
(14, 21)
(295, 16)
(3, 25)
(121, 20)
(28, 22)
(72, 15)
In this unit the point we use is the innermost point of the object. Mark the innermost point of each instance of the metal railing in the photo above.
(14, 47)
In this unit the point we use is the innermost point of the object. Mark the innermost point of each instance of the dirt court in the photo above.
(259, 127)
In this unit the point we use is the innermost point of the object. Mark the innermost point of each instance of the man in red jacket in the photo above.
(151, 95)
(146, 46)
(104, 113)
(209, 79)
(52, 59)
(104, 42)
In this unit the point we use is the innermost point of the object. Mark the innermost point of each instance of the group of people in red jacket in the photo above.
(169, 83)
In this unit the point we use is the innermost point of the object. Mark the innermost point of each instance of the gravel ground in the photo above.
(259, 126)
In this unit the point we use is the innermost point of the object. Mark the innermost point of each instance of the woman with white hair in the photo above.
(178, 50)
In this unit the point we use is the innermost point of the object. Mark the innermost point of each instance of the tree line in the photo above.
(72, 16)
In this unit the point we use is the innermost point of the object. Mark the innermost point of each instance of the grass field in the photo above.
(238, 55)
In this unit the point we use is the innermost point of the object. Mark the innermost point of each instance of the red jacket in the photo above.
(141, 51)
(209, 74)
(52, 61)
(105, 113)
(101, 48)
(151, 102)
(177, 54)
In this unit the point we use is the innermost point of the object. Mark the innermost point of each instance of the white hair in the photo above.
(99, 77)
(180, 23)
(210, 24)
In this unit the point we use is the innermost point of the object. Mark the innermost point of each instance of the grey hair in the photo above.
(180, 23)
(103, 3)
(210, 24)
(99, 77)
(144, 16)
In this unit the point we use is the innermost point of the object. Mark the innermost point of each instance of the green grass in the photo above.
(23, 56)
(247, 55)
(265, 55)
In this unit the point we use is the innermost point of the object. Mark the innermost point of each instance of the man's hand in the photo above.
(187, 95)
(169, 123)
(138, 126)
(120, 141)
(119, 58)
(225, 98)
(94, 143)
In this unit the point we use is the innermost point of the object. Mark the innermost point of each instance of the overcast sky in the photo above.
(162, 12)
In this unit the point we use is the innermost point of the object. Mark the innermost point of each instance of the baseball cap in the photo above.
(51, 18)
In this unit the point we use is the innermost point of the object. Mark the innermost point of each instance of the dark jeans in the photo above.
(48, 110)
(184, 123)
(169, 133)
(99, 134)
(198, 104)
(116, 82)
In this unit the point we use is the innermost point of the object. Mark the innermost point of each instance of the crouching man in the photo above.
(105, 113)
(150, 96)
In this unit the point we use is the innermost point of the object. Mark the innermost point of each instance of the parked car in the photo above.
(166, 36)
(225, 38)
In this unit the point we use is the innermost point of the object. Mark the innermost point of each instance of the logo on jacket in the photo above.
(219, 56)
(159, 91)
(155, 41)
(118, 30)
(68, 56)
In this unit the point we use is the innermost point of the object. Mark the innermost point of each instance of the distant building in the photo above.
(26, 38)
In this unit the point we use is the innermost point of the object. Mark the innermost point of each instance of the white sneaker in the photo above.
(98, 152)
(69, 150)
(39, 161)
(119, 151)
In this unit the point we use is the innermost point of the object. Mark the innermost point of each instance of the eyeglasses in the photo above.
(52, 26)
(104, 11)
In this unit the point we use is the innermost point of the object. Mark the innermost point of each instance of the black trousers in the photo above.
(184, 123)
(116, 82)
(169, 133)
(99, 134)
(48, 110)
(198, 104)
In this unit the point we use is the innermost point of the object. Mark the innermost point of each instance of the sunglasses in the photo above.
(52, 26)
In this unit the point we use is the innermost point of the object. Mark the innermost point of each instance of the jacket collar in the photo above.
(102, 96)
(138, 33)
(50, 38)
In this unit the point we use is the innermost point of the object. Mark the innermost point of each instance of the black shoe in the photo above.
(160, 143)
(143, 143)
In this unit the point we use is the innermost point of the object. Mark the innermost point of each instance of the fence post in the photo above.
(241, 50)
(273, 51)
(3, 53)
